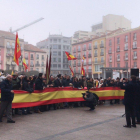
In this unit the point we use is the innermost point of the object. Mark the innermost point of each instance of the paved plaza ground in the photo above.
(105, 123)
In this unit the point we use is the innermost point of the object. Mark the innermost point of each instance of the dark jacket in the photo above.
(26, 86)
(91, 98)
(6, 88)
(76, 84)
(130, 93)
(57, 83)
(66, 82)
(39, 84)
(16, 84)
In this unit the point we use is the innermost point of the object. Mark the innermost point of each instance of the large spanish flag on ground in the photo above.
(72, 73)
(82, 70)
(17, 50)
(24, 64)
(69, 56)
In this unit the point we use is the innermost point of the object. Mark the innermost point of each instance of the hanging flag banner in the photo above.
(69, 56)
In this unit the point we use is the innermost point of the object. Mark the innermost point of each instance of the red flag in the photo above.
(72, 73)
(69, 56)
(24, 64)
(82, 70)
(17, 53)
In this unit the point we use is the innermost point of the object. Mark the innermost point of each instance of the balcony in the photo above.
(42, 65)
(13, 47)
(99, 62)
(31, 65)
(110, 60)
(84, 49)
(13, 63)
(8, 63)
(26, 57)
(79, 50)
(8, 54)
(102, 54)
(89, 48)
(135, 58)
(79, 64)
(37, 65)
(118, 60)
(89, 63)
(102, 61)
(125, 49)
(79, 57)
(8, 47)
(85, 64)
(37, 58)
(101, 45)
(32, 58)
(89, 70)
(74, 51)
(95, 55)
(134, 46)
(89, 55)
(74, 65)
(95, 47)
(118, 50)
(110, 52)
(126, 58)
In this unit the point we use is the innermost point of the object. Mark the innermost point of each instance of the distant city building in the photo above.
(34, 57)
(122, 50)
(111, 22)
(58, 44)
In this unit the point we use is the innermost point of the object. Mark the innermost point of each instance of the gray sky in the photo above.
(66, 16)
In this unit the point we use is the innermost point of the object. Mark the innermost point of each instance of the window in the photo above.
(54, 60)
(59, 46)
(27, 62)
(59, 53)
(110, 50)
(32, 62)
(8, 44)
(59, 59)
(55, 53)
(79, 70)
(126, 64)
(110, 43)
(32, 56)
(59, 65)
(42, 57)
(95, 52)
(134, 45)
(37, 56)
(89, 46)
(59, 40)
(54, 46)
(42, 63)
(135, 64)
(79, 48)
(31, 69)
(135, 36)
(118, 48)
(126, 56)
(26, 55)
(118, 65)
(126, 47)
(55, 40)
(97, 68)
(8, 50)
(118, 40)
(110, 58)
(51, 40)
(84, 47)
(89, 61)
(135, 55)
(54, 65)
(42, 70)
(102, 42)
(96, 45)
(89, 52)
(37, 69)
(118, 57)
(85, 61)
(84, 54)
(37, 62)
(102, 50)
(102, 59)
(13, 44)
(96, 59)
(126, 38)
(85, 69)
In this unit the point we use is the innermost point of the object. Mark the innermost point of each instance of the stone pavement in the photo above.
(105, 123)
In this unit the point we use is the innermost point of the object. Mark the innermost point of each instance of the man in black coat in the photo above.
(58, 81)
(129, 101)
(39, 82)
(7, 96)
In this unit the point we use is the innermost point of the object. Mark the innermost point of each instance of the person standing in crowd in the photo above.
(67, 81)
(84, 82)
(51, 82)
(58, 81)
(76, 83)
(15, 82)
(7, 96)
(129, 101)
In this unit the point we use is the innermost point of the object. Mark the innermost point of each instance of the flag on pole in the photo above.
(97, 84)
(24, 64)
(72, 73)
(12, 72)
(83, 57)
(50, 62)
(69, 56)
(82, 70)
(17, 53)
(47, 71)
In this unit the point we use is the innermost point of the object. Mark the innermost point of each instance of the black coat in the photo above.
(39, 84)
(26, 87)
(6, 88)
(57, 83)
(66, 82)
(76, 84)
(130, 93)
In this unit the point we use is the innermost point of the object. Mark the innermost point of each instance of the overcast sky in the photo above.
(66, 16)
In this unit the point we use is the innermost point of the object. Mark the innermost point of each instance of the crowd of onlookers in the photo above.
(29, 84)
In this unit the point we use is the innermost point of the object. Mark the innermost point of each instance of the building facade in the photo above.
(35, 58)
(122, 49)
(98, 55)
(58, 44)
(80, 49)
(111, 22)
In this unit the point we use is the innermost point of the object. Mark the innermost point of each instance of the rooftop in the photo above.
(32, 48)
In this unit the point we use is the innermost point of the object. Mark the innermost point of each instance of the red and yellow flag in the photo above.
(83, 57)
(72, 73)
(17, 53)
(82, 70)
(24, 64)
(69, 56)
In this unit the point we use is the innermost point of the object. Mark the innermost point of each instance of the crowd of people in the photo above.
(22, 82)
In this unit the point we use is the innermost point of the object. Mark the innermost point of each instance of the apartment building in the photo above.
(80, 49)
(58, 44)
(122, 49)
